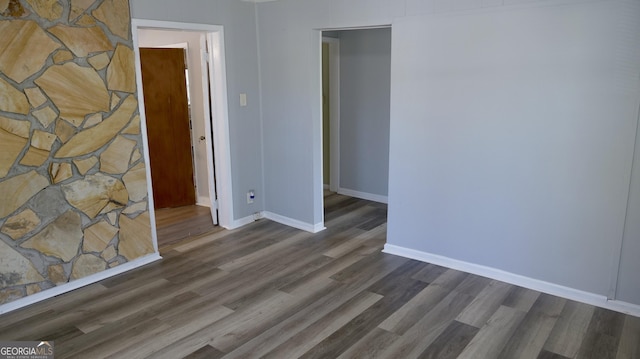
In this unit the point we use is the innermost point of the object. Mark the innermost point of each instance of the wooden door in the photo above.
(168, 129)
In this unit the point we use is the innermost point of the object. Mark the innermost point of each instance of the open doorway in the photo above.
(206, 107)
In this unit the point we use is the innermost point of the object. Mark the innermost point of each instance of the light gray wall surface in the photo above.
(238, 20)
(365, 91)
(512, 128)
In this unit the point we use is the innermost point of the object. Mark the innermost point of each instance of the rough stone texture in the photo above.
(34, 157)
(35, 96)
(49, 203)
(78, 7)
(4, 4)
(112, 217)
(114, 14)
(92, 120)
(59, 239)
(16, 269)
(15, 9)
(135, 208)
(26, 41)
(19, 225)
(100, 61)
(92, 194)
(136, 182)
(135, 236)
(109, 253)
(82, 40)
(136, 156)
(121, 71)
(115, 159)
(9, 295)
(134, 127)
(60, 172)
(43, 140)
(45, 116)
(11, 145)
(86, 20)
(98, 236)
(17, 190)
(48, 9)
(64, 130)
(62, 56)
(97, 136)
(76, 91)
(85, 165)
(57, 275)
(16, 127)
(33, 289)
(12, 99)
(86, 265)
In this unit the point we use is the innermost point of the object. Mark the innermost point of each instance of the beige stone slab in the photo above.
(121, 70)
(99, 61)
(48, 9)
(64, 130)
(60, 239)
(12, 99)
(109, 253)
(115, 159)
(60, 172)
(19, 225)
(76, 91)
(136, 182)
(98, 236)
(9, 295)
(15, 10)
(35, 96)
(4, 4)
(86, 20)
(134, 127)
(16, 127)
(95, 137)
(62, 56)
(17, 190)
(43, 140)
(92, 120)
(135, 208)
(85, 165)
(86, 265)
(35, 157)
(10, 148)
(135, 236)
(110, 207)
(112, 217)
(115, 14)
(23, 40)
(136, 156)
(16, 269)
(33, 289)
(82, 40)
(45, 116)
(57, 275)
(78, 7)
(93, 193)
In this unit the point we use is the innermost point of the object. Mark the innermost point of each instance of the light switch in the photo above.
(243, 99)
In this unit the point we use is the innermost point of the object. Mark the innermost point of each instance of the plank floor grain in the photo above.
(270, 291)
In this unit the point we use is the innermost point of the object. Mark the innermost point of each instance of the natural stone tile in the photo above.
(92, 120)
(35, 96)
(134, 127)
(17, 190)
(64, 130)
(110, 207)
(15, 269)
(82, 40)
(76, 91)
(93, 193)
(56, 274)
(86, 265)
(109, 253)
(62, 56)
(23, 40)
(135, 208)
(33, 289)
(135, 236)
(97, 136)
(59, 239)
(121, 71)
(85, 165)
(12, 99)
(43, 140)
(136, 156)
(4, 4)
(114, 264)
(78, 7)
(16, 127)
(115, 100)
(45, 116)
(35, 157)
(10, 148)
(115, 159)
(98, 236)
(112, 217)
(19, 225)
(115, 14)
(9, 295)
(86, 20)
(136, 182)
(15, 9)
(48, 9)
(60, 172)
(99, 61)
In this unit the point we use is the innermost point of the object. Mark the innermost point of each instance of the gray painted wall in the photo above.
(238, 19)
(512, 128)
(365, 91)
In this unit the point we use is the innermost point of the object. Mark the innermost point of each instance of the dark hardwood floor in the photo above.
(175, 224)
(270, 291)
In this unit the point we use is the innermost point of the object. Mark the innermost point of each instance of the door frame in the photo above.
(334, 110)
(216, 129)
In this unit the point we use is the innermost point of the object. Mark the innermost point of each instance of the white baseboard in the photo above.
(516, 279)
(363, 195)
(235, 224)
(203, 201)
(313, 228)
(79, 283)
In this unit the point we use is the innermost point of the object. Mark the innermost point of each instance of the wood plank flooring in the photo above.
(176, 224)
(269, 291)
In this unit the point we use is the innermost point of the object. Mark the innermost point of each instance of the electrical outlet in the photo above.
(251, 195)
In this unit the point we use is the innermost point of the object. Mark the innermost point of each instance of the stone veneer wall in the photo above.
(73, 190)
